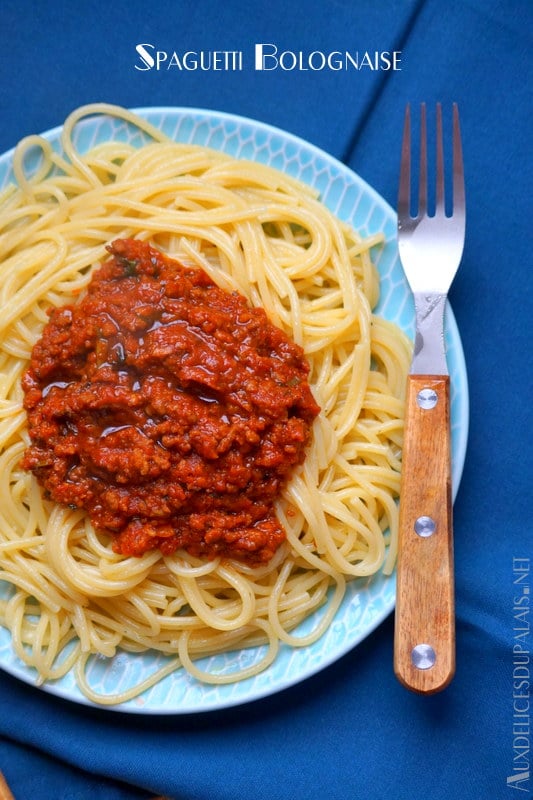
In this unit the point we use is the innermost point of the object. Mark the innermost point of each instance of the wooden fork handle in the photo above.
(424, 637)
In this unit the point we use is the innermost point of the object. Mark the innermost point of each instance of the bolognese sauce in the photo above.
(169, 409)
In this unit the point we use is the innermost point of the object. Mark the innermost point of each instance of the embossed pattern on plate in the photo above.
(367, 602)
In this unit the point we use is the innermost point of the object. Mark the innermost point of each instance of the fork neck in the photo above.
(429, 357)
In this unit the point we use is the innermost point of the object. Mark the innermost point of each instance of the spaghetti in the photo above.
(253, 230)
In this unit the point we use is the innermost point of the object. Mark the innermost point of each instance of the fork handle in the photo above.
(424, 637)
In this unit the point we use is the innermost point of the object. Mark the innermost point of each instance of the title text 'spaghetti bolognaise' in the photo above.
(301, 404)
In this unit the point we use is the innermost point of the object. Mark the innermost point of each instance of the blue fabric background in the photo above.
(351, 731)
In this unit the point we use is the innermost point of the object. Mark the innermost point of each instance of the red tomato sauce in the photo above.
(169, 409)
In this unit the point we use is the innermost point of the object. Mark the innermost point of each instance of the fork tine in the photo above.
(423, 176)
(439, 188)
(404, 192)
(458, 172)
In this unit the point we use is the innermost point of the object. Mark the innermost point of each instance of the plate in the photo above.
(367, 602)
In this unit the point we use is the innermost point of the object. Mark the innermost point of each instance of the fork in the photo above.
(430, 243)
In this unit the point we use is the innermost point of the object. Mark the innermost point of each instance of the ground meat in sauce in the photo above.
(169, 409)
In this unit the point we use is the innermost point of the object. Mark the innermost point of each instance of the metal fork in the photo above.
(431, 246)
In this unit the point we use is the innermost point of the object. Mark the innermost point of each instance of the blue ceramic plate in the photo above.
(367, 602)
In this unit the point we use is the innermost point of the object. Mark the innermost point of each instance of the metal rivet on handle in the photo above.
(425, 526)
(423, 656)
(427, 398)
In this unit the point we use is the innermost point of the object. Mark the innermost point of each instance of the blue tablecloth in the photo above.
(351, 731)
